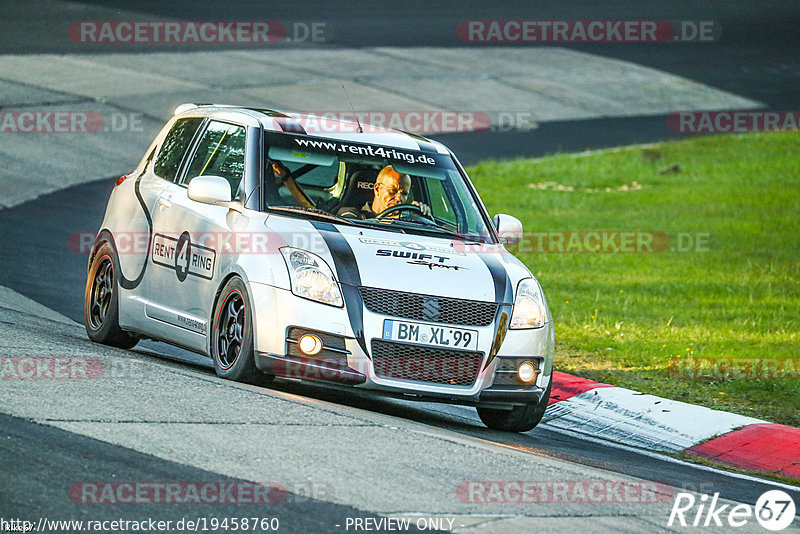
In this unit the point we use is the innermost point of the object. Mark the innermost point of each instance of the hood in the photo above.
(423, 264)
(410, 263)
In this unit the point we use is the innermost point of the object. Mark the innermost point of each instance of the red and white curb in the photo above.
(648, 422)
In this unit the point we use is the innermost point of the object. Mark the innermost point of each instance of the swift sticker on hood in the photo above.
(428, 260)
(413, 245)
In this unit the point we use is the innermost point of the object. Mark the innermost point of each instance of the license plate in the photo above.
(425, 334)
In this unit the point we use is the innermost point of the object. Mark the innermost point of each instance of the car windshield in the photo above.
(417, 192)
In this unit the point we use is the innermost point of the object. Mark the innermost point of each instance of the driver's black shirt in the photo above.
(365, 212)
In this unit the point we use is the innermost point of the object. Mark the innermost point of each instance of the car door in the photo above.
(159, 174)
(190, 236)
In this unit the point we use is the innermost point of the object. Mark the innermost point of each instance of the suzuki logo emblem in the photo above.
(430, 308)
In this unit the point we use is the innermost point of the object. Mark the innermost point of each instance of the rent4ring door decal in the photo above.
(183, 256)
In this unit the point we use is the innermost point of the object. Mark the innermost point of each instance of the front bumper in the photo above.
(277, 311)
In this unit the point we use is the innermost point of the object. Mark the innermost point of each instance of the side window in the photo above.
(174, 148)
(220, 152)
(440, 206)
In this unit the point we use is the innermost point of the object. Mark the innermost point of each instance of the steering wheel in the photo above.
(401, 207)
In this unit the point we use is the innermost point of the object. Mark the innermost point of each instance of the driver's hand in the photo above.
(426, 211)
(280, 170)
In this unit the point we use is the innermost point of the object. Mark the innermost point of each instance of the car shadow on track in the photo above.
(460, 419)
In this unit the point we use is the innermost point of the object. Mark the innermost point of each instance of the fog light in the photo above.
(526, 372)
(310, 344)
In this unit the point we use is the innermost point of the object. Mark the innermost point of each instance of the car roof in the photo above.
(311, 125)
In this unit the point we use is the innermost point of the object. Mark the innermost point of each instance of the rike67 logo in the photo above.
(774, 510)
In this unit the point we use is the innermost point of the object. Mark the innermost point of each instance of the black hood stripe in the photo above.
(347, 273)
(343, 256)
(503, 290)
(504, 295)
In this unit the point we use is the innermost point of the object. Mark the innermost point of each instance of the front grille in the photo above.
(428, 307)
(425, 364)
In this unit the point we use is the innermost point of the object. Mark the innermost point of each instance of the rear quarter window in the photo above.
(173, 149)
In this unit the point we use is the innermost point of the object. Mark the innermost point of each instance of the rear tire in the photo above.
(517, 419)
(101, 301)
(232, 336)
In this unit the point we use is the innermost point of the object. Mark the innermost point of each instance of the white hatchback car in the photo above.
(297, 246)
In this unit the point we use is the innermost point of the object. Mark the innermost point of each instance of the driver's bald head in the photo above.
(391, 188)
(389, 176)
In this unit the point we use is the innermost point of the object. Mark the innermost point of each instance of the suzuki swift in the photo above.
(308, 248)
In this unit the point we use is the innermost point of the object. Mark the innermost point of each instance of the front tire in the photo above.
(101, 302)
(517, 419)
(232, 336)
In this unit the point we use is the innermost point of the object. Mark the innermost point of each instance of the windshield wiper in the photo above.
(315, 212)
(432, 228)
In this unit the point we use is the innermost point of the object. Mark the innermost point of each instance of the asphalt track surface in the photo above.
(757, 58)
(41, 265)
(66, 456)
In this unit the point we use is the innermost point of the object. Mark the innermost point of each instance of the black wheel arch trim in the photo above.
(105, 234)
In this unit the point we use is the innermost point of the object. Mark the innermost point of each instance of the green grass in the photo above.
(625, 319)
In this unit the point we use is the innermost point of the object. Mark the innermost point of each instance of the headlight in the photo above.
(529, 308)
(311, 277)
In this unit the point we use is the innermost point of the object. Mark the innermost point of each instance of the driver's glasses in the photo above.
(394, 190)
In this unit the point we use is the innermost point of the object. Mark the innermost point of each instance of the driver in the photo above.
(391, 189)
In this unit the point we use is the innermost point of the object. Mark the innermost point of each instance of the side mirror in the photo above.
(509, 228)
(209, 190)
